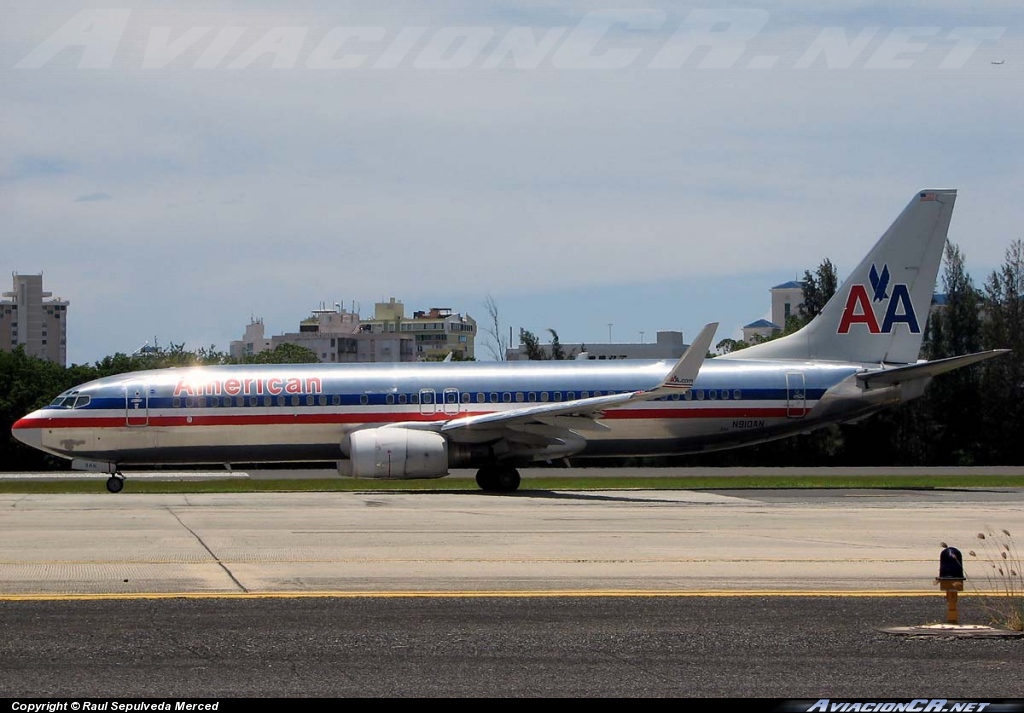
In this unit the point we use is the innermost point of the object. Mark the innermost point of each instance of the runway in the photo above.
(538, 594)
(664, 541)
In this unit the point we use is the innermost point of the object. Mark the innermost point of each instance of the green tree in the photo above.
(534, 351)
(942, 427)
(818, 289)
(1002, 382)
(730, 345)
(26, 384)
(557, 351)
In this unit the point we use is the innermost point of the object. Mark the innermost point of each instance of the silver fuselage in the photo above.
(281, 413)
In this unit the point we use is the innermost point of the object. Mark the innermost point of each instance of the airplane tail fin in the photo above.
(878, 315)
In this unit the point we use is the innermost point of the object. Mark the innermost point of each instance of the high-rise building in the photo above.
(34, 320)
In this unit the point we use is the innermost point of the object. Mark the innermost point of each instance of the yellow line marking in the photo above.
(484, 560)
(460, 594)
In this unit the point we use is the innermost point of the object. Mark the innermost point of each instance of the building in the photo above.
(667, 345)
(787, 299)
(30, 319)
(759, 329)
(437, 332)
(252, 342)
(333, 334)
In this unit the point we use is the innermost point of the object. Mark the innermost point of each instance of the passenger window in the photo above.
(531, 396)
(389, 399)
(737, 394)
(176, 402)
(309, 401)
(280, 400)
(543, 395)
(725, 394)
(558, 396)
(295, 400)
(519, 396)
(700, 395)
(414, 398)
(506, 397)
(268, 401)
(688, 395)
(465, 397)
(336, 400)
(479, 398)
(364, 399)
(402, 398)
(254, 401)
(583, 394)
(494, 398)
(712, 394)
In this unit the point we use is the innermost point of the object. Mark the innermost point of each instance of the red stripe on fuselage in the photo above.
(380, 418)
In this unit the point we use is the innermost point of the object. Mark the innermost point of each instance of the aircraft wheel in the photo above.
(507, 480)
(487, 478)
(115, 483)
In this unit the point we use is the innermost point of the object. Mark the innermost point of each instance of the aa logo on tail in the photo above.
(861, 304)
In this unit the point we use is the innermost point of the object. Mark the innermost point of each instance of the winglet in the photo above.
(684, 373)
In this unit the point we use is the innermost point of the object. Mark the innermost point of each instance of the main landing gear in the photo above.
(115, 483)
(498, 478)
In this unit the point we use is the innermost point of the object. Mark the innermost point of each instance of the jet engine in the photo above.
(396, 454)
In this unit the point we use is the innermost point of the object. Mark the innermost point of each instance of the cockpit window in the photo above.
(71, 401)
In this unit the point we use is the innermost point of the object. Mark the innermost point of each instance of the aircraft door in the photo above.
(136, 404)
(796, 395)
(451, 401)
(428, 402)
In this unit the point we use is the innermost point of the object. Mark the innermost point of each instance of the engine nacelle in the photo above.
(397, 454)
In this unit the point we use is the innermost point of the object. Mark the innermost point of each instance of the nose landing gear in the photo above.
(115, 483)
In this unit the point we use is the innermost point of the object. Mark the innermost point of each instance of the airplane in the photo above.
(411, 421)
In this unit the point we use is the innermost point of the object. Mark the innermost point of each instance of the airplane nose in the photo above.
(29, 431)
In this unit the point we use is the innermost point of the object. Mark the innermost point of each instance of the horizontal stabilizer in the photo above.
(924, 370)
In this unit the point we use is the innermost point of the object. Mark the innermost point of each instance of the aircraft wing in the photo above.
(581, 414)
(923, 370)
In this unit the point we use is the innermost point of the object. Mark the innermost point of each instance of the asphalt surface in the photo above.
(748, 647)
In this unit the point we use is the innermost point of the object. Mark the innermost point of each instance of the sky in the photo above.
(601, 169)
